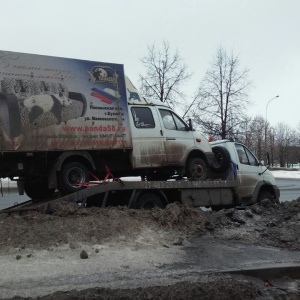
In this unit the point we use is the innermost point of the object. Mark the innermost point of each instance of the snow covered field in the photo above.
(286, 174)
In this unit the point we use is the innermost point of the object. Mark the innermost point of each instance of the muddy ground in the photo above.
(119, 253)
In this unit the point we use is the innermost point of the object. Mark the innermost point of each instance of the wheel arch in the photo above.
(195, 153)
(77, 156)
(261, 187)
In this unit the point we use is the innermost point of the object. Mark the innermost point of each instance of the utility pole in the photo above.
(266, 125)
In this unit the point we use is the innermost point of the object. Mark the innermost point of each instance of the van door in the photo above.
(177, 137)
(249, 170)
(147, 140)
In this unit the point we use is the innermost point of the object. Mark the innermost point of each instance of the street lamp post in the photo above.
(266, 124)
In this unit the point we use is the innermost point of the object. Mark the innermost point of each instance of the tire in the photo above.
(72, 177)
(216, 207)
(79, 97)
(95, 200)
(265, 195)
(196, 169)
(37, 188)
(222, 159)
(148, 201)
(220, 207)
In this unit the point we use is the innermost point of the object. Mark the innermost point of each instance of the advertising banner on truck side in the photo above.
(53, 103)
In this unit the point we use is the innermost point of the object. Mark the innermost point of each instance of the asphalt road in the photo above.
(46, 272)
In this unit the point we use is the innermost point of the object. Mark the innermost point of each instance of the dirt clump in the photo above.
(275, 225)
(73, 225)
(219, 289)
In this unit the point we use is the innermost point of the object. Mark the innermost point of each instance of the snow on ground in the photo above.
(286, 174)
(6, 182)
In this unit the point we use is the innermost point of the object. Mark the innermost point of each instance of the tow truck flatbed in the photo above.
(195, 193)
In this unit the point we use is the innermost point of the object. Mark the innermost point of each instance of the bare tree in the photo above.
(283, 140)
(296, 148)
(251, 133)
(257, 133)
(165, 74)
(244, 134)
(221, 102)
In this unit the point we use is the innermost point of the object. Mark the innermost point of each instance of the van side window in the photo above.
(142, 117)
(242, 155)
(171, 121)
(252, 159)
(245, 156)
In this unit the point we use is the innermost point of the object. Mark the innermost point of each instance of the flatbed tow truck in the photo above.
(139, 194)
(247, 182)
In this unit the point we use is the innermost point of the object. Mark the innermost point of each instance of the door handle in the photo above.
(170, 139)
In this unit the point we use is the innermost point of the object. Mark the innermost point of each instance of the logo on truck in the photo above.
(107, 96)
(107, 77)
(103, 74)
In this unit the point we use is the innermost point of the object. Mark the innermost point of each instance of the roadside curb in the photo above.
(291, 270)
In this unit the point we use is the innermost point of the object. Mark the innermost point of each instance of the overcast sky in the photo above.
(265, 34)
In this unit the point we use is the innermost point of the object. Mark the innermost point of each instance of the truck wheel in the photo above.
(73, 176)
(148, 201)
(216, 207)
(222, 159)
(196, 168)
(265, 195)
(37, 188)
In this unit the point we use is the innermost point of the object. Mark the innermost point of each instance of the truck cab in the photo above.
(255, 181)
(161, 139)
